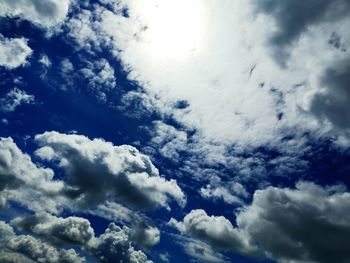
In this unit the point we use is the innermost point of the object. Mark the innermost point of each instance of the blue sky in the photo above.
(174, 131)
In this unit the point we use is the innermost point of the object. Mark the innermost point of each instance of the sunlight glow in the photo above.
(174, 28)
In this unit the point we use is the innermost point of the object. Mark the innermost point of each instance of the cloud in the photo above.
(25, 246)
(13, 51)
(42, 13)
(230, 192)
(215, 230)
(75, 230)
(306, 224)
(45, 61)
(201, 251)
(100, 77)
(331, 103)
(234, 90)
(293, 18)
(97, 171)
(15, 98)
(25, 182)
(144, 235)
(114, 246)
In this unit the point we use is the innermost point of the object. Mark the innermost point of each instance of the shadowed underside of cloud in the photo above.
(306, 224)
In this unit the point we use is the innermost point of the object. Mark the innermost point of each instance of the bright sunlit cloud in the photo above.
(173, 29)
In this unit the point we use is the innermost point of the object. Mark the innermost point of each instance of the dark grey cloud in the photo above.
(307, 224)
(293, 18)
(332, 103)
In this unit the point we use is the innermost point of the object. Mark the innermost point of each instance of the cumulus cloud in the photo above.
(283, 224)
(18, 172)
(43, 13)
(97, 171)
(13, 51)
(215, 230)
(114, 246)
(15, 247)
(14, 98)
(72, 229)
(144, 235)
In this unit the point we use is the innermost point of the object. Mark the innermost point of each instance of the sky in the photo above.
(174, 131)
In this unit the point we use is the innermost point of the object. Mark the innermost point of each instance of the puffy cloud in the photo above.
(309, 223)
(18, 172)
(24, 247)
(72, 229)
(43, 13)
(114, 246)
(97, 171)
(216, 230)
(144, 235)
(13, 51)
(9, 257)
(39, 251)
(15, 98)
(306, 224)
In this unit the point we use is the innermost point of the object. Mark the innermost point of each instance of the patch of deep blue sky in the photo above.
(77, 109)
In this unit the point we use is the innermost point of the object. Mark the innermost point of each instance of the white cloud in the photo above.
(230, 192)
(306, 224)
(232, 76)
(100, 78)
(98, 171)
(43, 13)
(13, 52)
(25, 182)
(45, 61)
(14, 98)
(215, 230)
(28, 247)
(75, 230)
(114, 246)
